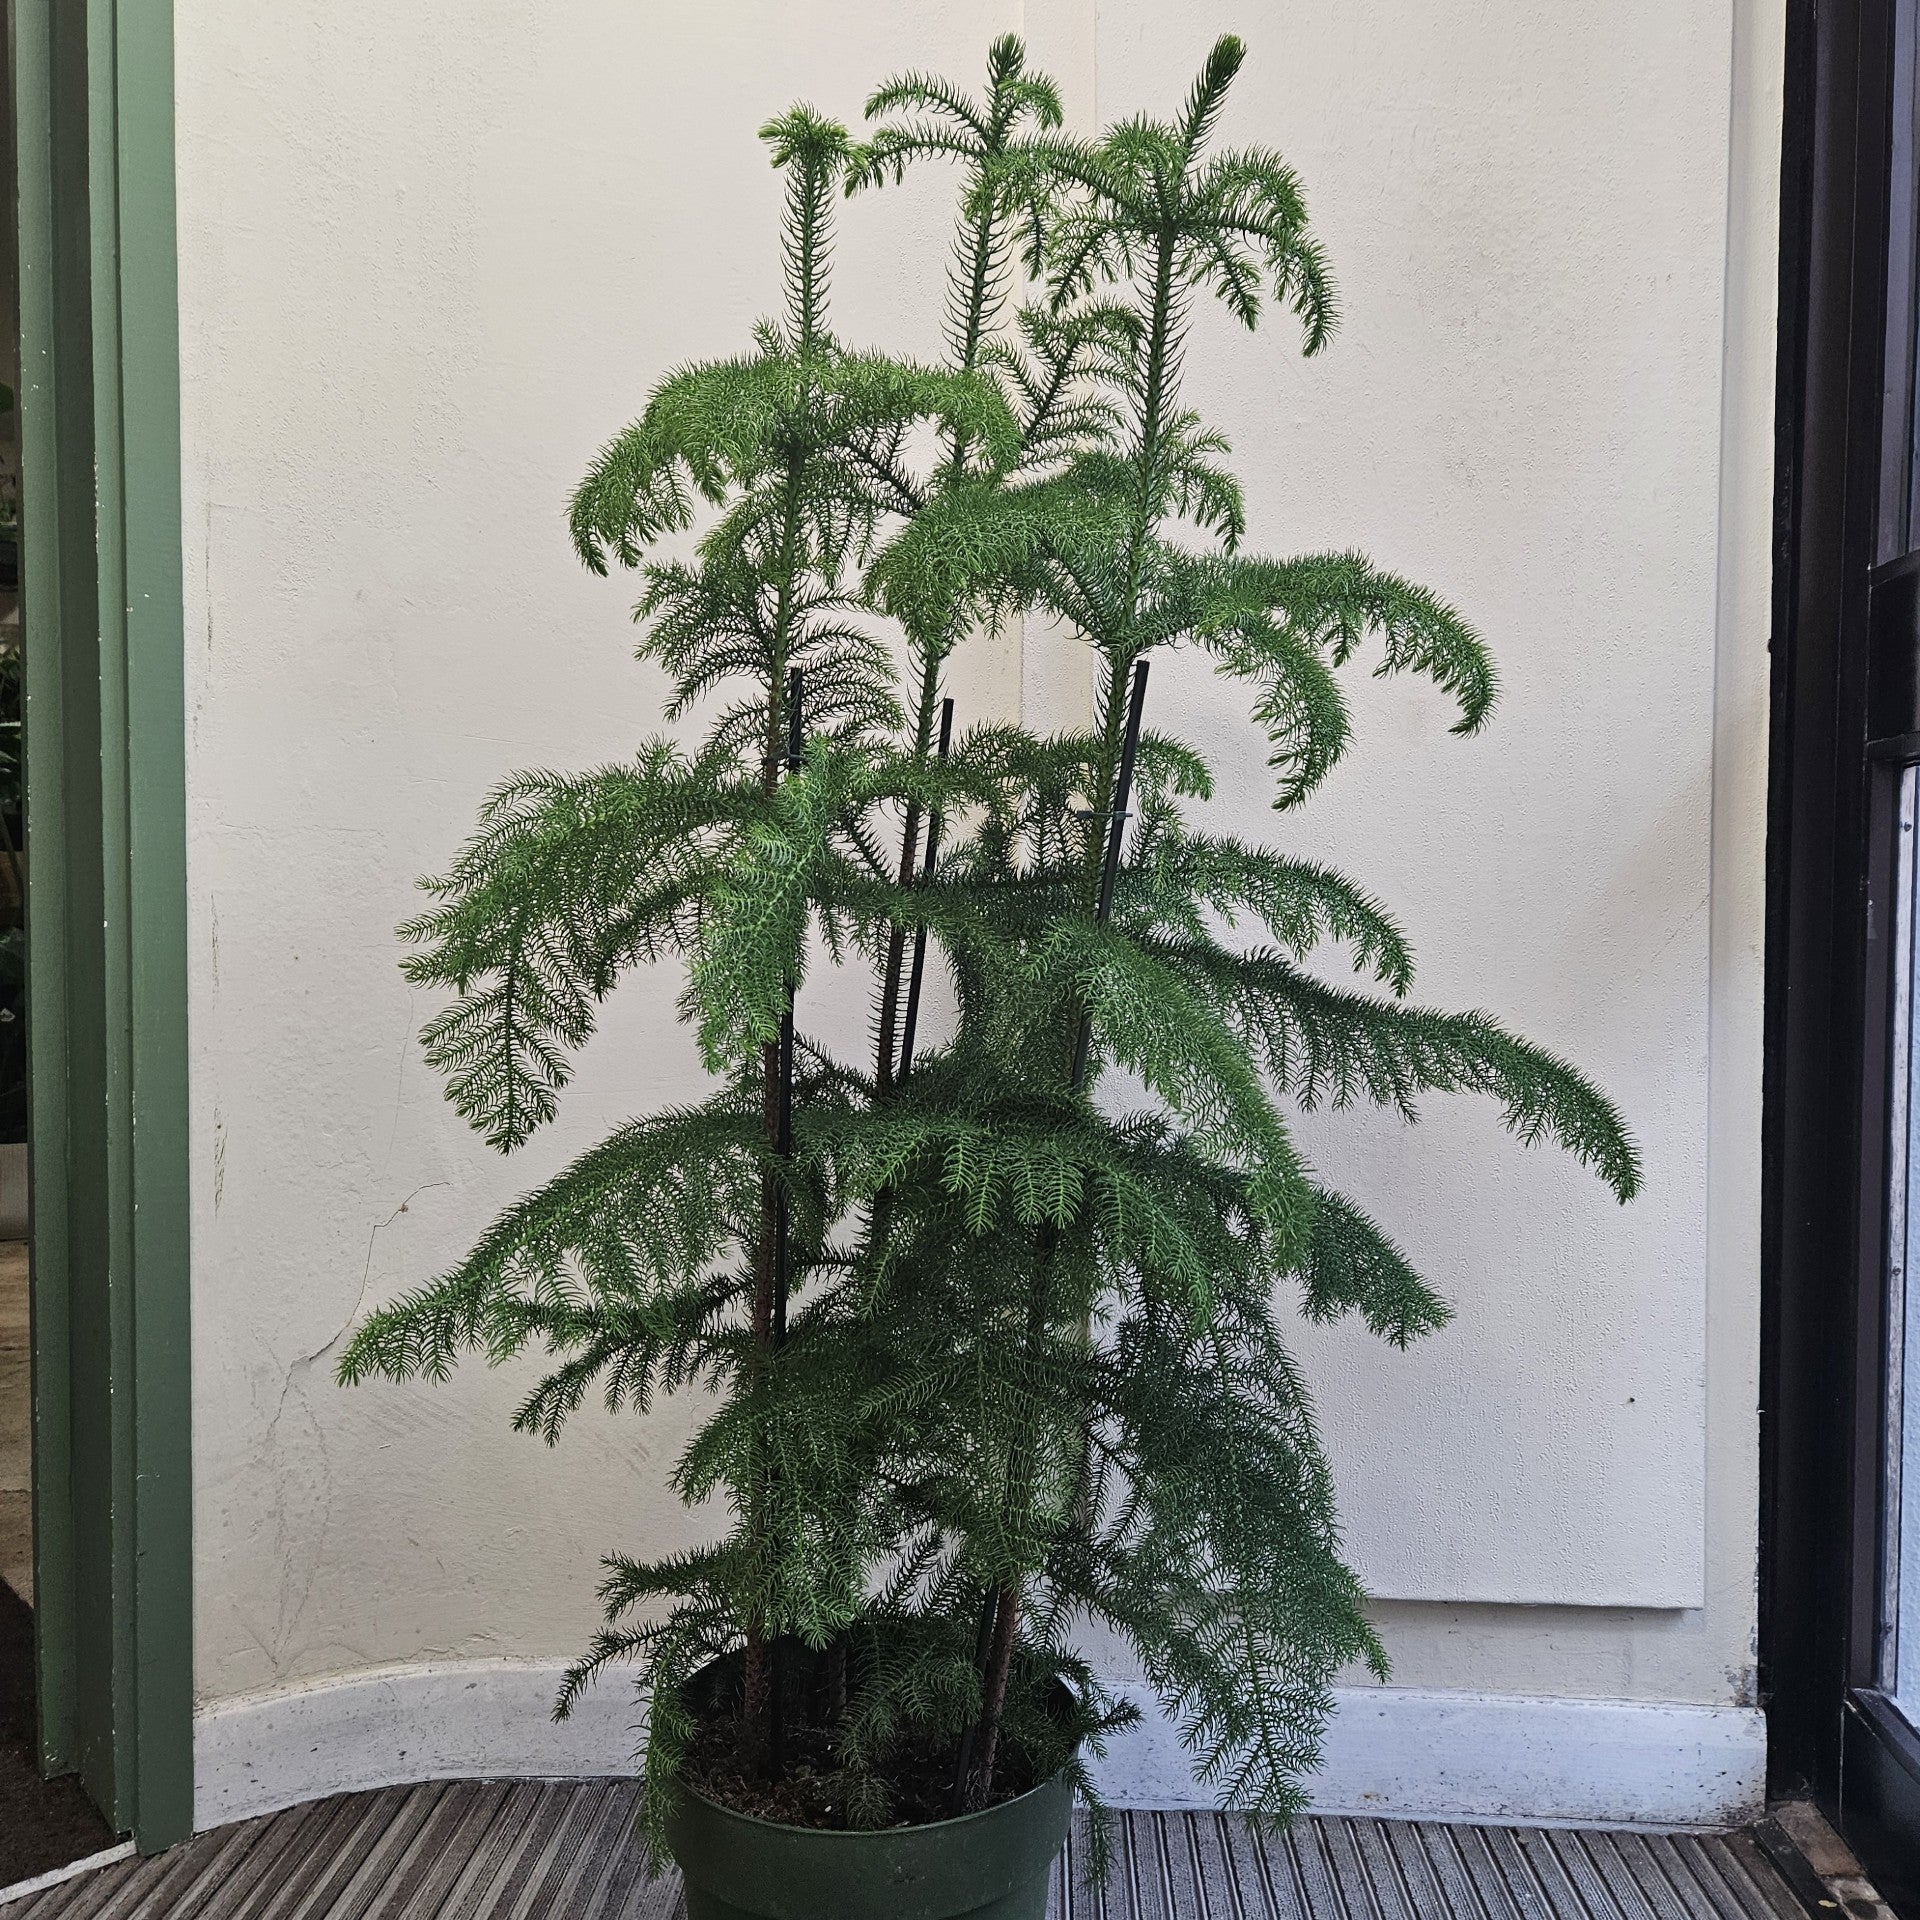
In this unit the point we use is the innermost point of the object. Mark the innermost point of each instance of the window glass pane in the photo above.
(1900, 1621)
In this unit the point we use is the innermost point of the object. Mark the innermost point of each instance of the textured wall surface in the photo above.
(432, 256)
(1522, 411)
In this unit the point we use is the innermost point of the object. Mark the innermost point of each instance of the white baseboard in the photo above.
(1390, 1751)
(59, 1876)
(1400, 1752)
(468, 1719)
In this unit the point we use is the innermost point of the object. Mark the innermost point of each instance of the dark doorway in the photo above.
(1840, 1609)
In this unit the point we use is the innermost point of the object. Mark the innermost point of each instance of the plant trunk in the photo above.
(763, 1685)
(1006, 1623)
(993, 1689)
(757, 1704)
(837, 1680)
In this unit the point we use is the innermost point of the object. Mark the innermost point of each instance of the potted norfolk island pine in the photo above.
(991, 1324)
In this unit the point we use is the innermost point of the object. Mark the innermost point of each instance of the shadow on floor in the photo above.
(43, 1823)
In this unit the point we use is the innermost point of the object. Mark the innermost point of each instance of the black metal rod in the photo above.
(919, 973)
(783, 1239)
(982, 1651)
(1110, 867)
(796, 734)
(783, 1112)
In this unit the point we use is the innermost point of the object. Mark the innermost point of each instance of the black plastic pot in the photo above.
(987, 1866)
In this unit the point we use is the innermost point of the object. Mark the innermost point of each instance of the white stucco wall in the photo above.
(431, 256)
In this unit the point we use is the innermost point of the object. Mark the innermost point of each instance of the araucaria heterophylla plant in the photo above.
(991, 1323)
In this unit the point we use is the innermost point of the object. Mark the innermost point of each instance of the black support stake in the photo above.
(919, 972)
(783, 1239)
(1110, 867)
(783, 1116)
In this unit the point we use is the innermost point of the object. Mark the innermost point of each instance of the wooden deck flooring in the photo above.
(470, 1850)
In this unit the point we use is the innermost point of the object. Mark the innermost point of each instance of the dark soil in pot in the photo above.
(755, 1849)
(813, 1788)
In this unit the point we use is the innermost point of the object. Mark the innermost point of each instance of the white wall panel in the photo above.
(1526, 208)
(431, 256)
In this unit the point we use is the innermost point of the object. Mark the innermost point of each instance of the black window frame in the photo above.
(1845, 725)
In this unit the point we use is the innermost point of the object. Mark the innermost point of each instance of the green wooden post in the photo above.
(153, 652)
(107, 936)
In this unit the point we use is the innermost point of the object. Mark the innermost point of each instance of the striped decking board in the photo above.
(564, 1850)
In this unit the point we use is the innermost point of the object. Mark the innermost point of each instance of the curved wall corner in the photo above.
(1390, 1751)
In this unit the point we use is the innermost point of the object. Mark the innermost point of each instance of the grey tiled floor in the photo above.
(470, 1850)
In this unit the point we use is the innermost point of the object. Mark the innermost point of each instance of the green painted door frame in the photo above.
(107, 902)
